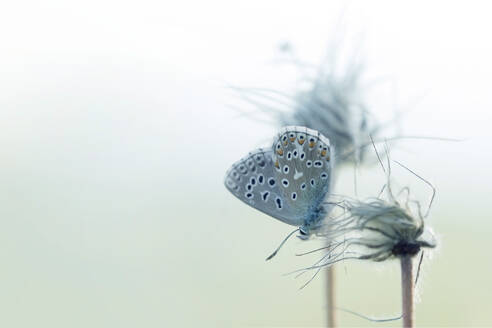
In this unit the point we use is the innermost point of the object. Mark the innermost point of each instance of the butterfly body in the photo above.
(288, 181)
(313, 221)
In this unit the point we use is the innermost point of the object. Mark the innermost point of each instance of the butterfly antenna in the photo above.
(281, 244)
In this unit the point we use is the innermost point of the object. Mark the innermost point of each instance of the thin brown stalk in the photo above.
(407, 289)
(330, 294)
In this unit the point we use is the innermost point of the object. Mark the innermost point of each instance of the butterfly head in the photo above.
(303, 235)
(312, 223)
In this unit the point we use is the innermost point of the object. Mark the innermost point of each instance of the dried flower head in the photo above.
(387, 229)
(378, 228)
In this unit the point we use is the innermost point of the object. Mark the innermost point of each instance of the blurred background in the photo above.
(117, 126)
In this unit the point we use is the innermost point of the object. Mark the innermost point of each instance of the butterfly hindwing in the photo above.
(253, 180)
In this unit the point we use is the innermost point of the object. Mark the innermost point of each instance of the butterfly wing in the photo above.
(303, 166)
(253, 180)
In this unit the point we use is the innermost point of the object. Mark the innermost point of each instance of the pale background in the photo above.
(116, 131)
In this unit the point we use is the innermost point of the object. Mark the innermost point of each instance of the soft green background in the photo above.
(116, 132)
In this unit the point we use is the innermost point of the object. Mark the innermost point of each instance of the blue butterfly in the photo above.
(289, 181)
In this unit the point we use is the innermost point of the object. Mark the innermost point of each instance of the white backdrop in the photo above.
(116, 131)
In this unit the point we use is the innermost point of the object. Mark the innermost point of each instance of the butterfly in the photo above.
(289, 181)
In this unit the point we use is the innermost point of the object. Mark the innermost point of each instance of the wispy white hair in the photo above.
(331, 101)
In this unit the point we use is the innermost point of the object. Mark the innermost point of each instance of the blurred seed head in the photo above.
(330, 98)
(332, 102)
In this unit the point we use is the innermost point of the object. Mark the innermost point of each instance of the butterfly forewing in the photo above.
(302, 165)
(253, 180)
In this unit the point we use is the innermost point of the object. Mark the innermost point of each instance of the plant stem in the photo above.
(407, 291)
(330, 295)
